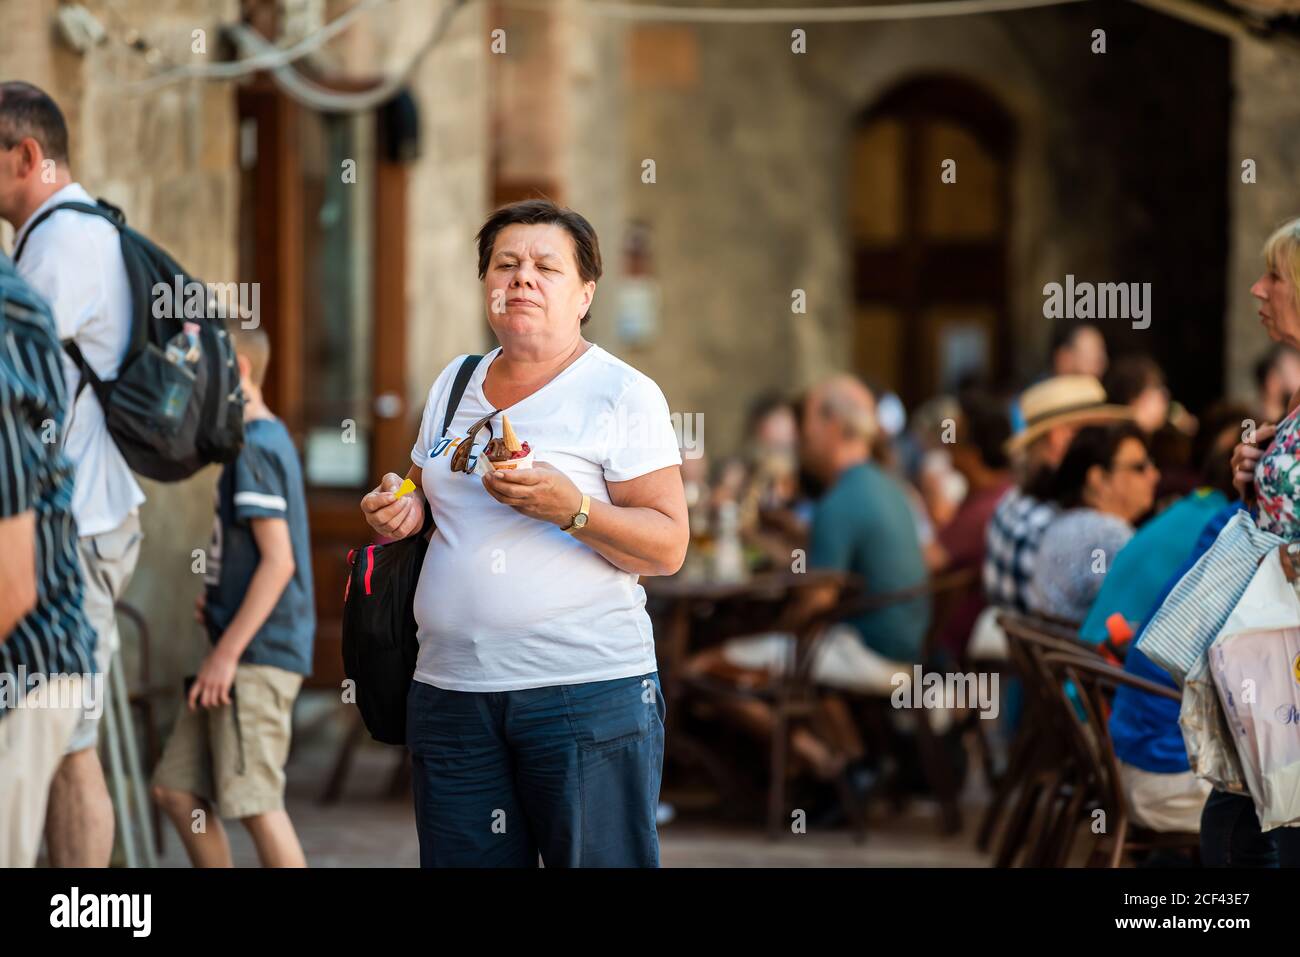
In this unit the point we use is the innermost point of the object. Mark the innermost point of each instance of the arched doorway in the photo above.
(929, 255)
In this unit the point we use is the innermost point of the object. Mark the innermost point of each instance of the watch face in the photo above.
(580, 520)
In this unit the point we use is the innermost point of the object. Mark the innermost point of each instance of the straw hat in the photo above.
(1064, 400)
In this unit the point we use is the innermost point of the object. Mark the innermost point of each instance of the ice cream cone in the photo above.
(508, 434)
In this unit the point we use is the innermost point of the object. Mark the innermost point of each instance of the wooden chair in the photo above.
(1006, 784)
(1040, 778)
(946, 593)
(950, 592)
(791, 696)
(1095, 681)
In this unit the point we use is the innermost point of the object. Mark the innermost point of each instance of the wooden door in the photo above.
(318, 191)
(929, 256)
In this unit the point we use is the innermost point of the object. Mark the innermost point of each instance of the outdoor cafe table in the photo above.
(679, 602)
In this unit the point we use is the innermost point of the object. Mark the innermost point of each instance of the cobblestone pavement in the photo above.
(366, 828)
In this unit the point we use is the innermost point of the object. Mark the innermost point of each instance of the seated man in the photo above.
(863, 526)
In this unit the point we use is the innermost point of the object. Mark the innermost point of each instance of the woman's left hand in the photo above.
(542, 492)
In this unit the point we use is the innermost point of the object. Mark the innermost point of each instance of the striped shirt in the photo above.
(1011, 545)
(55, 638)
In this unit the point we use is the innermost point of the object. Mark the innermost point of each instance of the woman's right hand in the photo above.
(1246, 456)
(390, 516)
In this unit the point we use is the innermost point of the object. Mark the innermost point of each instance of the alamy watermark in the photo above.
(74, 909)
(198, 300)
(1102, 300)
(639, 430)
(933, 691)
(23, 691)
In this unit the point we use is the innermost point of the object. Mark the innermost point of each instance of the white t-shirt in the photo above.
(75, 261)
(505, 601)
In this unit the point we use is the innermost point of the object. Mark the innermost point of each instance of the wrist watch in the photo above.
(579, 520)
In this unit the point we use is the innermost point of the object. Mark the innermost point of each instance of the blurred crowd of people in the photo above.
(1080, 499)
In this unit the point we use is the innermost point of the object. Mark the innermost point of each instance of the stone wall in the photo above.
(447, 203)
(751, 149)
(448, 182)
(1266, 128)
(168, 160)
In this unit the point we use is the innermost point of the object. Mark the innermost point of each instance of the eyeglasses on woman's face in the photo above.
(1141, 466)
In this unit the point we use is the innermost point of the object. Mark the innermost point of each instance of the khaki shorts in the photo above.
(238, 768)
(33, 739)
(107, 562)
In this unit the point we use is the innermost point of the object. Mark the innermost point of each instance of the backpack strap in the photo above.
(458, 384)
(88, 376)
(104, 210)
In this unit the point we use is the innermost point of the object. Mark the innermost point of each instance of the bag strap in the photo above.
(101, 209)
(88, 376)
(458, 385)
(104, 210)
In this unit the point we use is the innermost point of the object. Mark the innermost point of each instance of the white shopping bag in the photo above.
(1255, 664)
(1211, 751)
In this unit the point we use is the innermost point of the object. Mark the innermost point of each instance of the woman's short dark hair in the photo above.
(532, 212)
(1131, 375)
(985, 425)
(1092, 445)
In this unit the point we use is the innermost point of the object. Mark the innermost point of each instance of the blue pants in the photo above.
(570, 772)
(1230, 835)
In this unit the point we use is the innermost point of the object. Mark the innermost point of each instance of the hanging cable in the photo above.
(317, 97)
(886, 11)
(269, 59)
(262, 55)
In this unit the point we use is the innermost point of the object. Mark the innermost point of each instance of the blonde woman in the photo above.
(1266, 471)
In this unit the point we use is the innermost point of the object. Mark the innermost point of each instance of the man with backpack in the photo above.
(75, 261)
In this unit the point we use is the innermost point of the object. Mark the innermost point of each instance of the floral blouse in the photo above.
(1277, 481)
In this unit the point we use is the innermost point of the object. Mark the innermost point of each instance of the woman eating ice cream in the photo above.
(535, 720)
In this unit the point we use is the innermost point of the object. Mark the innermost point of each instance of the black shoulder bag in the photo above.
(379, 630)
